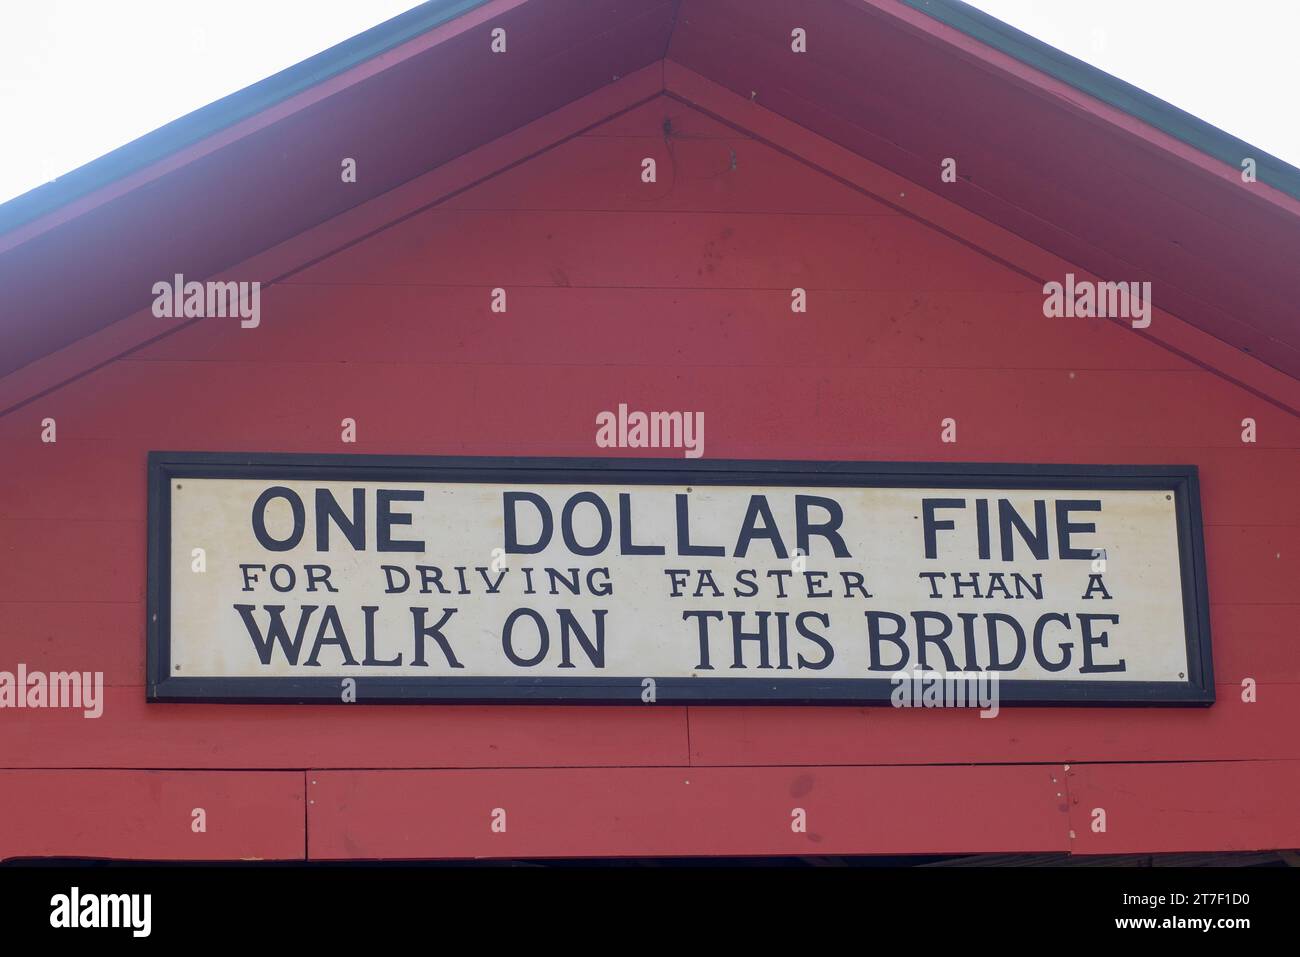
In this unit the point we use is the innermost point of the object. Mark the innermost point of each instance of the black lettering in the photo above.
(434, 631)
(328, 509)
(330, 620)
(1035, 538)
(1102, 639)
(750, 530)
(625, 545)
(1039, 654)
(513, 545)
(828, 652)
(569, 625)
(702, 620)
(739, 636)
(875, 636)
(1065, 528)
(370, 660)
(684, 546)
(991, 622)
(925, 637)
(829, 529)
(276, 631)
(259, 519)
(566, 524)
(930, 526)
(385, 519)
(543, 638)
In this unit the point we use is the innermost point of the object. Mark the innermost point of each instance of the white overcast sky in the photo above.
(81, 77)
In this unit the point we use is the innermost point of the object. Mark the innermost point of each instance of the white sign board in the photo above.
(378, 579)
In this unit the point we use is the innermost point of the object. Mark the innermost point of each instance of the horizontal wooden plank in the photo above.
(42, 560)
(754, 412)
(149, 815)
(1150, 808)
(702, 328)
(71, 478)
(669, 249)
(1228, 729)
(134, 733)
(1252, 563)
(107, 637)
(1167, 808)
(559, 812)
(1256, 641)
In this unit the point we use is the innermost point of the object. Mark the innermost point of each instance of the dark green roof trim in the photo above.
(228, 110)
(1151, 110)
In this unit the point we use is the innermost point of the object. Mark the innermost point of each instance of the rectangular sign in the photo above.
(384, 579)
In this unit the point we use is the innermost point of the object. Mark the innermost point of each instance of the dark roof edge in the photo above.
(225, 112)
(1100, 85)
(231, 109)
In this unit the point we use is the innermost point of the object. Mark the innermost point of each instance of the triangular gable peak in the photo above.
(906, 294)
(858, 182)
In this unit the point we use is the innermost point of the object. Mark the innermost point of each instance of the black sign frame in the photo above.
(162, 685)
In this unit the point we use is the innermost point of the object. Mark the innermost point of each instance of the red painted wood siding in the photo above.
(668, 295)
(684, 811)
(151, 815)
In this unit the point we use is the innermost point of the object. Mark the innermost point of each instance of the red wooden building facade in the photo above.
(522, 171)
